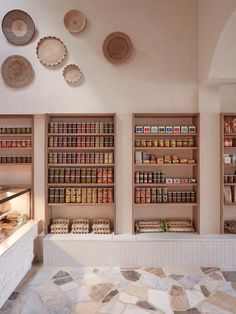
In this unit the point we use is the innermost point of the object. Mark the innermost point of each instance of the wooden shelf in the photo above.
(81, 204)
(18, 174)
(16, 164)
(165, 204)
(92, 185)
(165, 148)
(164, 184)
(81, 134)
(15, 148)
(165, 165)
(97, 208)
(165, 135)
(171, 170)
(81, 165)
(81, 148)
(229, 165)
(15, 135)
(225, 169)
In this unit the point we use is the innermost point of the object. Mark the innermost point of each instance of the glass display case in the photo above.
(15, 209)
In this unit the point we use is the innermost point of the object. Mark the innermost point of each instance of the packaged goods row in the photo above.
(230, 178)
(164, 143)
(163, 195)
(165, 129)
(229, 125)
(229, 159)
(81, 226)
(15, 144)
(84, 141)
(146, 158)
(81, 195)
(159, 177)
(80, 158)
(164, 225)
(81, 127)
(229, 142)
(86, 175)
(230, 194)
(15, 130)
(15, 159)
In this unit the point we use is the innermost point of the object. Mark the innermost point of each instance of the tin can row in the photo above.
(84, 141)
(163, 195)
(80, 195)
(15, 144)
(164, 142)
(84, 175)
(15, 130)
(230, 125)
(229, 142)
(81, 127)
(150, 177)
(80, 158)
(230, 178)
(15, 159)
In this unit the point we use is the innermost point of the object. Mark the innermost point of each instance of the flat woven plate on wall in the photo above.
(51, 51)
(117, 47)
(72, 73)
(17, 71)
(18, 27)
(75, 21)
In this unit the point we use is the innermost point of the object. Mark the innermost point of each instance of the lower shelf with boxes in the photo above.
(81, 226)
(81, 195)
(164, 225)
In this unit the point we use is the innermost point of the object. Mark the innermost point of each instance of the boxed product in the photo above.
(138, 157)
(192, 129)
(154, 129)
(139, 129)
(227, 159)
(80, 225)
(227, 194)
(101, 226)
(60, 225)
(169, 129)
(146, 158)
(161, 129)
(184, 129)
(147, 129)
(176, 129)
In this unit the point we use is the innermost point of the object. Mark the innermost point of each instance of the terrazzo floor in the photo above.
(90, 290)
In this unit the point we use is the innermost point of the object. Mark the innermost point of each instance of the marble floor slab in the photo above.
(111, 290)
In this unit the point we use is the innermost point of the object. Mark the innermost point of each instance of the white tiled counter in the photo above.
(141, 250)
(16, 256)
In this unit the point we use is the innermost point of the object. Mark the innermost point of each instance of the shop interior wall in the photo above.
(160, 76)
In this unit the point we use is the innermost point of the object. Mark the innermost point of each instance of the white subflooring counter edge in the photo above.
(16, 256)
(141, 250)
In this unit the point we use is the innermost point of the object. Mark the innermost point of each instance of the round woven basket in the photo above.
(72, 73)
(75, 21)
(117, 47)
(17, 71)
(18, 27)
(51, 51)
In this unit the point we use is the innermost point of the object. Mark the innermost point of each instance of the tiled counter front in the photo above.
(16, 255)
(173, 250)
